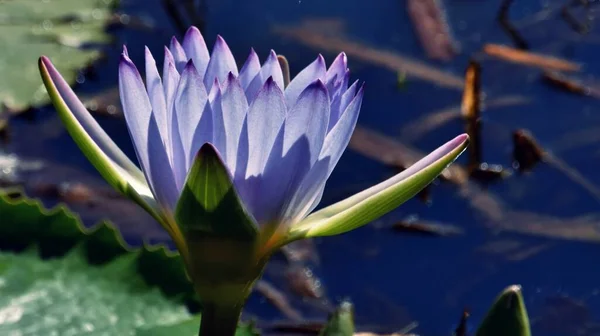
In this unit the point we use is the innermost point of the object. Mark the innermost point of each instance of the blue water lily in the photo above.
(233, 162)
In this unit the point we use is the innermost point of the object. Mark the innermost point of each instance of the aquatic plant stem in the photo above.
(219, 320)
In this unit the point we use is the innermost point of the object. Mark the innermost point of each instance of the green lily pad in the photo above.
(70, 32)
(59, 278)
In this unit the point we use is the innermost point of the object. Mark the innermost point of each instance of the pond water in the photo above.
(397, 278)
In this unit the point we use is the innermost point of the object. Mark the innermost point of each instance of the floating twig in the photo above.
(470, 109)
(528, 58)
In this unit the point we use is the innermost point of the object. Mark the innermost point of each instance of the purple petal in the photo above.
(315, 70)
(340, 103)
(170, 82)
(308, 118)
(271, 69)
(246, 187)
(136, 107)
(221, 63)
(157, 99)
(337, 70)
(335, 143)
(195, 49)
(243, 149)
(160, 172)
(144, 133)
(179, 56)
(190, 104)
(265, 117)
(308, 195)
(179, 163)
(250, 69)
(203, 133)
(219, 140)
(234, 107)
(283, 173)
(338, 138)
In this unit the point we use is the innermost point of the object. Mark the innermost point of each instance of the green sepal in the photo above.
(209, 204)
(507, 317)
(114, 166)
(380, 199)
(221, 238)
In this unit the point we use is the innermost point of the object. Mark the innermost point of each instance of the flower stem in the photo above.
(219, 320)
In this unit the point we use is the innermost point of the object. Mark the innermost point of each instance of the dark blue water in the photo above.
(394, 278)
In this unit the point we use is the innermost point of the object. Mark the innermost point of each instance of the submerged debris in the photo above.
(431, 26)
(489, 173)
(527, 153)
(186, 13)
(303, 281)
(413, 224)
(278, 299)
(508, 27)
(580, 26)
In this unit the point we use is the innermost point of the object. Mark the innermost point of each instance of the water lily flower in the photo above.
(234, 161)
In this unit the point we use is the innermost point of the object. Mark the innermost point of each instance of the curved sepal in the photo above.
(508, 315)
(378, 200)
(100, 150)
(209, 204)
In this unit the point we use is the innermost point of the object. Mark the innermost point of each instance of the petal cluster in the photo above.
(279, 141)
